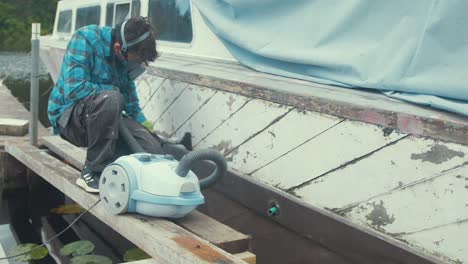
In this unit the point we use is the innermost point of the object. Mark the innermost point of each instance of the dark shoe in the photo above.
(89, 180)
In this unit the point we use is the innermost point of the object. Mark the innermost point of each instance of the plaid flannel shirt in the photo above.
(88, 67)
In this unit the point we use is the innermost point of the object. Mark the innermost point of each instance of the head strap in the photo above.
(126, 45)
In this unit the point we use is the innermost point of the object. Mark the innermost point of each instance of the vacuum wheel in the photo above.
(114, 189)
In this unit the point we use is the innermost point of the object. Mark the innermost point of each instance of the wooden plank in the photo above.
(293, 130)
(327, 229)
(449, 239)
(330, 150)
(247, 256)
(250, 120)
(188, 103)
(2, 255)
(216, 111)
(222, 236)
(353, 104)
(407, 210)
(164, 97)
(146, 86)
(13, 127)
(408, 161)
(198, 223)
(157, 237)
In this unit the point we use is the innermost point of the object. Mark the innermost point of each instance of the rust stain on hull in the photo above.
(201, 250)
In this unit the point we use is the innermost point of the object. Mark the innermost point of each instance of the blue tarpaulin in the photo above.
(415, 51)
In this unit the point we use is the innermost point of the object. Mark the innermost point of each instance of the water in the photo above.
(25, 215)
(15, 71)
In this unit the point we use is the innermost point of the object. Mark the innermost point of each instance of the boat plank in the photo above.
(288, 133)
(353, 104)
(186, 105)
(164, 97)
(146, 87)
(157, 237)
(216, 111)
(405, 211)
(449, 239)
(198, 223)
(341, 144)
(404, 163)
(251, 119)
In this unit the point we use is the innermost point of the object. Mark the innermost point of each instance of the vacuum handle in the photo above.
(190, 158)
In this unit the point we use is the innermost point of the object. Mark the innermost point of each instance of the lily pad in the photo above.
(77, 248)
(91, 259)
(38, 253)
(135, 254)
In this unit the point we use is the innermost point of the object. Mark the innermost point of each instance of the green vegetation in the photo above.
(16, 17)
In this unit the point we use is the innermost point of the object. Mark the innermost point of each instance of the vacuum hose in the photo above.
(130, 139)
(187, 161)
(203, 154)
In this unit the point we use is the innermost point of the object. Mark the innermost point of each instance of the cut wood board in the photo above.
(404, 163)
(157, 237)
(251, 119)
(186, 105)
(198, 223)
(216, 111)
(293, 130)
(13, 127)
(164, 97)
(330, 150)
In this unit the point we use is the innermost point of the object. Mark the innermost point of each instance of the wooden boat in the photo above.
(369, 178)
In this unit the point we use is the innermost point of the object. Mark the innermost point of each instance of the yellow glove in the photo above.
(148, 125)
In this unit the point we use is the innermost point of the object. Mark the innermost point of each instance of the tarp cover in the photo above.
(411, 50)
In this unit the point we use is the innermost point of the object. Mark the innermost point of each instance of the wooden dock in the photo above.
(196, 238)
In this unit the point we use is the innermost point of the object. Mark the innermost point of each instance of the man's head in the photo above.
(135, 41)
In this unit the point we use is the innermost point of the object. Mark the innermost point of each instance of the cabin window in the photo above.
(135, 8)
(88, 16)
(122, 12)
(171, 20)
(64, 21)
(109, 15)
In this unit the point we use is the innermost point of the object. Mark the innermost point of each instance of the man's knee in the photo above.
(111, 100)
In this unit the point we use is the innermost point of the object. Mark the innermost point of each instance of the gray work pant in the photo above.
(93, 122)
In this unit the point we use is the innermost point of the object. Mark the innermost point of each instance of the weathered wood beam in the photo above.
(13, 127)
(158, 237)
(369, 107)
(202, 225)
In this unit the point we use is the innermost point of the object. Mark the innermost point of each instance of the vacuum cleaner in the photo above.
(156, 185)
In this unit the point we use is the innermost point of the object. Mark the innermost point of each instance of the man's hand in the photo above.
(148, 125)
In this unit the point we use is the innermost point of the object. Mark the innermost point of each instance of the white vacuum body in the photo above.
(148, 184)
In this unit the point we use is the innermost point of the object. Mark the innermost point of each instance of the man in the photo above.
(95, 86)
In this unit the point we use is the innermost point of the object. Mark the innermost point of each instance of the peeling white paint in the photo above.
(249, 120)
(212, 114)
(189, 102)
(162, 99)
(294, 129)
(341, 144)
(447, 241)
(424, 205)
(146, 86)
(383, 171)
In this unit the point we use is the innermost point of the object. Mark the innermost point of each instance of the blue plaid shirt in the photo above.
(88, 67)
